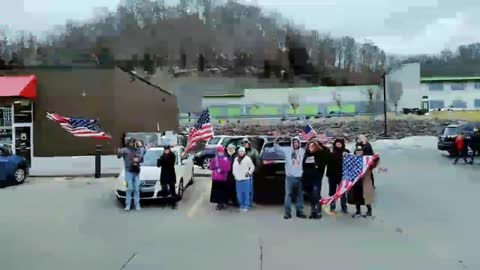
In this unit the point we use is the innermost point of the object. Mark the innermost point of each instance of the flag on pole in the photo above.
(354, 168)
(80, 127)
(308, 133)
(202, 131)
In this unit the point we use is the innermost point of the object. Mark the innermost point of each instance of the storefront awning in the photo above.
(18, 86)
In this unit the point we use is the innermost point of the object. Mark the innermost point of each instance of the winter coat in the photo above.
(167, 163)
(362, 192)
(244, 169)
(131, 158)
(314, 166)
(335, 164)
(220, 166)
(460, 143)
(367, 148)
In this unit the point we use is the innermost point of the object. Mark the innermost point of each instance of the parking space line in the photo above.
(193, 210)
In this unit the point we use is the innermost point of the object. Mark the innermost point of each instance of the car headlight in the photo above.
(124, 183)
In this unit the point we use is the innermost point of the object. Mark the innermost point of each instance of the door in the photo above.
(23, 143)
(425, 105)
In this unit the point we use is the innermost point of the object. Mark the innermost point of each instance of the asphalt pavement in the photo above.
(424, 218)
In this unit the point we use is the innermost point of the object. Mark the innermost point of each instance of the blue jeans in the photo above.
(243, 193)
(251, 190)
(133, 185)
(293, 190)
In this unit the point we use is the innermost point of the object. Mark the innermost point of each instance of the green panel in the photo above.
(234, 111)
(215, 111)
(346, 108)
(264, 110)
(310, 109)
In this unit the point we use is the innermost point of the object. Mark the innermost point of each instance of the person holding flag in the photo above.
(293, 176)
(362, 191)
(334, 172)
(202, 131)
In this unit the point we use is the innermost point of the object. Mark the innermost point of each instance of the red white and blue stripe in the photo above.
(80, 127)
(202, 131)
(354, 168)
(308, 133)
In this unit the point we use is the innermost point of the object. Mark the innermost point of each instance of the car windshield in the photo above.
(214, 140)
(151, 156)
(449, 131)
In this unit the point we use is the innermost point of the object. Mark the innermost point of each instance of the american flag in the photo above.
(354, 167)
(308, 133)
(80, 127)
(202, 131)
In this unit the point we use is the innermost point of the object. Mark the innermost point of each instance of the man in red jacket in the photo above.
(461, 147)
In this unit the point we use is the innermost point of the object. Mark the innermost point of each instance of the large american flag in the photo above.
(202, 131)
(79, 127)
(308, 133)
(354, 168)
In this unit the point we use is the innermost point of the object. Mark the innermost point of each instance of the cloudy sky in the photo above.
(399, 27)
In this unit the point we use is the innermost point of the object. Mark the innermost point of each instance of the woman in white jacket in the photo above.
(242, 171)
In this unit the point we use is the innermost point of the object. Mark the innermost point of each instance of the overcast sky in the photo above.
(399, 27)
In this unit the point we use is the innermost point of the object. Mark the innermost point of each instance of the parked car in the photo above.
(446, 139)
(203, 157)
(269, 177)
(150, 175)
(13, 168)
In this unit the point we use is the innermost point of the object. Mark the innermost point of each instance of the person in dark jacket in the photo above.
(334, 172)
(475, 145)
(314, 162)
(231, 183)
(168, 177)
(132, 159)
(367, 150)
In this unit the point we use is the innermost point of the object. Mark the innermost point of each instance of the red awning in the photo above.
(18, 86)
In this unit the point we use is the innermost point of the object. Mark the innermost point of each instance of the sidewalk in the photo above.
(74, 166)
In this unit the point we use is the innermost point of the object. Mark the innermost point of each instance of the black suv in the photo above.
(446, 139)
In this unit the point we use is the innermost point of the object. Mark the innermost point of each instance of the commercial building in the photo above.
(451, 92)
(119, 100)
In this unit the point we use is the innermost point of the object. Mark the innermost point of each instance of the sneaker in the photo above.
(345, 210)
(244, 210)
(127, 208)
(369, 214)
(287, 216)
(301, 215)
(315, 216)
(138, 208)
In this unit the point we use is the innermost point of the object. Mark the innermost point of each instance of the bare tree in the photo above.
(337, 98)
(394, 93)
(294, 101)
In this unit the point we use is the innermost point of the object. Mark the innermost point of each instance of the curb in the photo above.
(103, 175)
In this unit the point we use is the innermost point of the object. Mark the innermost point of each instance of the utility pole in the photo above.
(385, 132)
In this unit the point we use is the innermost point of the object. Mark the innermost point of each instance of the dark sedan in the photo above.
(446, 139)
(13, 168)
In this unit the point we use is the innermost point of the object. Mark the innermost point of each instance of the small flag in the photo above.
(308, 133)
(80, 127)
(202, 131)
(354, 167)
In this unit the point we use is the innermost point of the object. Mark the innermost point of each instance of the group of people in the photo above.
(132, 155)
(232, 176)
(462, 144)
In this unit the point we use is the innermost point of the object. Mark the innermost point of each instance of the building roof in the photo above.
(224, 96)
(450, 79)
(18, 86)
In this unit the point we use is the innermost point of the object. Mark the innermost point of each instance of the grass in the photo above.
(473, 116)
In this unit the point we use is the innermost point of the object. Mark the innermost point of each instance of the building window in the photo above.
(5, 117)
(476, 103)
(458, 103)
(457, 86)
(477, 85)
(435, 86)
(22, 112)
(437, 104)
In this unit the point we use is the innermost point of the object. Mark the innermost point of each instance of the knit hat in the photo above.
(220, 149)
(241, 149)
(231, 146)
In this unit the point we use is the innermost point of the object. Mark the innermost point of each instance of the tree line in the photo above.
(208, 36)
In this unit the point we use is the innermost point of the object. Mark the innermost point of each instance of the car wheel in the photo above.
(206, 163)
(20, 175)
(180, 190)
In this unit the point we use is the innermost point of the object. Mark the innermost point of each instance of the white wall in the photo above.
(409, 76)
(448, 96)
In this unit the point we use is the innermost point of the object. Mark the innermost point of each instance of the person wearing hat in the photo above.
(334, 172)
(293, 177)
(362, 191)
(168, 178)
(254, 156)
(132, 159)
(220, 167)
(243, 169)
(367, 149)
(231, 183)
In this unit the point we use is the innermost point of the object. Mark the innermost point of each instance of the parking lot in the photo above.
(425, 218)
